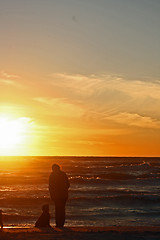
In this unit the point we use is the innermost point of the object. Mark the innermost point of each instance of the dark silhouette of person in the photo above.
(44, 219)
(1, 219)
(58, 188)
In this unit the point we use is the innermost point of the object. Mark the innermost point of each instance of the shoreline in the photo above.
(79, 233)
(84, 229)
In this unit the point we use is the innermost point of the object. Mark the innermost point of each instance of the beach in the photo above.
(85, 233)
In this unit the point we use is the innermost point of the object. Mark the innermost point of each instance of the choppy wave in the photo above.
(124, 198)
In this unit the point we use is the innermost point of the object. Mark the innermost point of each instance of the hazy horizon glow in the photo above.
(82, 77)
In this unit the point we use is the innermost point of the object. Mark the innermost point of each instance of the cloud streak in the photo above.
(60, 107)
(135, 120)
(7, 75)
(94, 84)
(9, 80)
(112, 97)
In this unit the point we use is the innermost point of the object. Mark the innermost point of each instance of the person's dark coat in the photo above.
(58, 188)
(58, 185)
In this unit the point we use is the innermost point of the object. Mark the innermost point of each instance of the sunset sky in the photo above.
(80, 77)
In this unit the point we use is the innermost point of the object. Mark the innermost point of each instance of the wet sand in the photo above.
(82, 233)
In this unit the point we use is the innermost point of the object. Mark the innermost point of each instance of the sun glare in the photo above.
(12, 132)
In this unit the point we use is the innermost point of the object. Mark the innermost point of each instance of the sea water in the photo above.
(104, 191)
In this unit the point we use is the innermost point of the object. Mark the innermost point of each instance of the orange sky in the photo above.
(79, 78)
(79, 115)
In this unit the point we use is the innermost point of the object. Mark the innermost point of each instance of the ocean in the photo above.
(104, 191)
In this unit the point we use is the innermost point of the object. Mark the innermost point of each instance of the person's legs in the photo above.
(60, 212)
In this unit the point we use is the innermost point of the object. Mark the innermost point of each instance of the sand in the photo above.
(82, 233)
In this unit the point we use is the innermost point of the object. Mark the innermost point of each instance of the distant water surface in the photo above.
(104, 190)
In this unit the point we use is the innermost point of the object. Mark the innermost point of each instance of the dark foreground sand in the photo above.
(82, 233)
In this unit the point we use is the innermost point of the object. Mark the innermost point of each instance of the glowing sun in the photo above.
(12, 131)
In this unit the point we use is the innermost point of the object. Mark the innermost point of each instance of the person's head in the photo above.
(45, 208)
(55, 167)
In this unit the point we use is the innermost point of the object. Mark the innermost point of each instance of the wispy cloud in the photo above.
(61, 107)
(8, 75)
(135, 120)
(7, 82)
(79, 84)
(112, 97)
(9, 79)
(98, 84)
